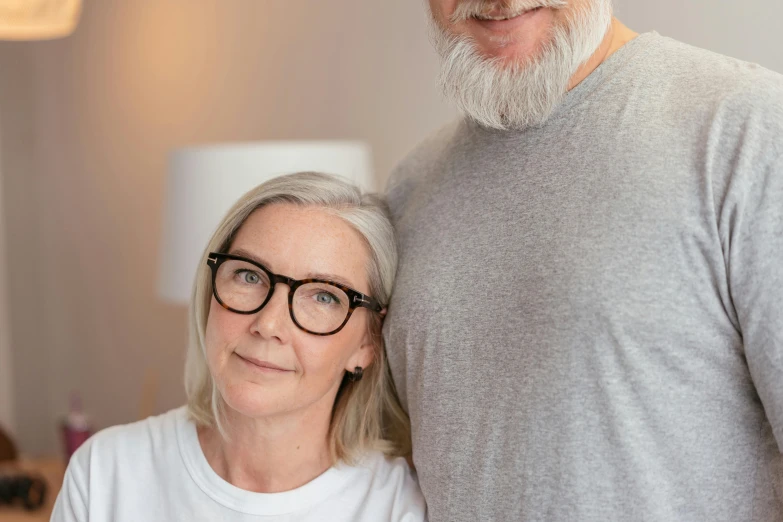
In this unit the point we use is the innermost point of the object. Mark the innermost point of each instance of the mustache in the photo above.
(467, 9)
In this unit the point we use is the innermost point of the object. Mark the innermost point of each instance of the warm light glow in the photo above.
(38, 19)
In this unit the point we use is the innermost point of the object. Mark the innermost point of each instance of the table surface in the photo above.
(52, 470)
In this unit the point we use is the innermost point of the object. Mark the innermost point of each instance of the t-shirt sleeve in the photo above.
(756, 281)
(409, 505)
(72, 501)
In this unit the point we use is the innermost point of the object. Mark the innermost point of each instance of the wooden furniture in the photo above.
(52, 470)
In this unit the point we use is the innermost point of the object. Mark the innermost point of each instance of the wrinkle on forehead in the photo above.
(302, 242)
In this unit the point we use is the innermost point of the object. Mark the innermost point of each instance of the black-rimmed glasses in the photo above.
(317, 306)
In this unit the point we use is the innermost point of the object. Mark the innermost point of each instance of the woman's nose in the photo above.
(274, 319)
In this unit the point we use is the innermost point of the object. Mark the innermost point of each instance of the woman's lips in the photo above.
(262, 365)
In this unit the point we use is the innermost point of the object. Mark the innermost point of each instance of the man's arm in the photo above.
(755, 265)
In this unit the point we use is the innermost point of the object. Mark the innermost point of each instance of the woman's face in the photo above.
(263, 364)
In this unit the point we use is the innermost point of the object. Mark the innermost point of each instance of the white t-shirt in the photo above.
(155, 470)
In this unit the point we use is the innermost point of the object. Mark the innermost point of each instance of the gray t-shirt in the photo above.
(587, 323)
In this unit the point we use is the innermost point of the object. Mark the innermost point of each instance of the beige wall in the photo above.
(18, 218)
(87, 122)
(138, 79)
(7, 418)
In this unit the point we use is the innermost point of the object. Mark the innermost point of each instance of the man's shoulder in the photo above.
(714, 77)
(421, 159)
(727, 100)
(419, 164)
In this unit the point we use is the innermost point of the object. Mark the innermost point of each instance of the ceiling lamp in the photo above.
(38, 19)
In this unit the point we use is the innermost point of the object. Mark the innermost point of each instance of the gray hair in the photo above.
(366, 413)
(517, 96)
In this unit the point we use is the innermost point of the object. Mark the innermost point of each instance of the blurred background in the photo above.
(87, 123)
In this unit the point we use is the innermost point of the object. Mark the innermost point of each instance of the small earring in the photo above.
(356, 374)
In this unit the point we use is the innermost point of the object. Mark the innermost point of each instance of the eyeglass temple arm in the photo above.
(367, 302)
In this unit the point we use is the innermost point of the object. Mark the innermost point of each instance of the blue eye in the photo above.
(326, 298)
(248, 277)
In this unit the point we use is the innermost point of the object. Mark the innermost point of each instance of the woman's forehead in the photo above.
(303, 242)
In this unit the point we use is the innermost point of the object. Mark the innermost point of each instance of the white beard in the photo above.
(520, 96)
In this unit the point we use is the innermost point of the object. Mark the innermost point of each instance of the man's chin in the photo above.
(517, 41)
(513, 54)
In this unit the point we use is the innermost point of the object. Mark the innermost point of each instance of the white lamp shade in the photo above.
(38, 19)
(203, 183)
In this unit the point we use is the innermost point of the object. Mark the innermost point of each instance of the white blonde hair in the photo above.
(366, 414)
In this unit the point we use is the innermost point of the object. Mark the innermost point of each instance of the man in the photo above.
(587, 323)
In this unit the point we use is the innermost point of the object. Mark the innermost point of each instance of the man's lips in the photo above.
(505, 23)
(263, 365)
(501, 15)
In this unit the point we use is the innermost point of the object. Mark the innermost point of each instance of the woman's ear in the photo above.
(364, 356)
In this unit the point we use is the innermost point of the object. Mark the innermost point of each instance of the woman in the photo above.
(291, 412)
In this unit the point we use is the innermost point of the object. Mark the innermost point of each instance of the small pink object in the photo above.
(75, 428)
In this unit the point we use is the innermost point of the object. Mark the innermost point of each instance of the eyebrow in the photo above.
(310, 275)
(249, 255)
(331, 277)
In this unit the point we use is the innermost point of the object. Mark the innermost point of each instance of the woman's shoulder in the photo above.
(138, 442)
(386, 468)
(393, 480)
(152, 430)
(119, 462)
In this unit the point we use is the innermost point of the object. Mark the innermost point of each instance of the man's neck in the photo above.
(617, 36)
(269, 455)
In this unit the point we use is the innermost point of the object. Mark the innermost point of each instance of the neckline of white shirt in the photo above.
(248, 502)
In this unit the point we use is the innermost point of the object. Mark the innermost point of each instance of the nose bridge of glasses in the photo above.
(287, 281)
(271, 306)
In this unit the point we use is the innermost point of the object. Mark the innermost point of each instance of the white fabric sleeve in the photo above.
(72, 501)
(409, 505)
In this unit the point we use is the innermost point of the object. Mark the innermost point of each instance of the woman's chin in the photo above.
(253, 401)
